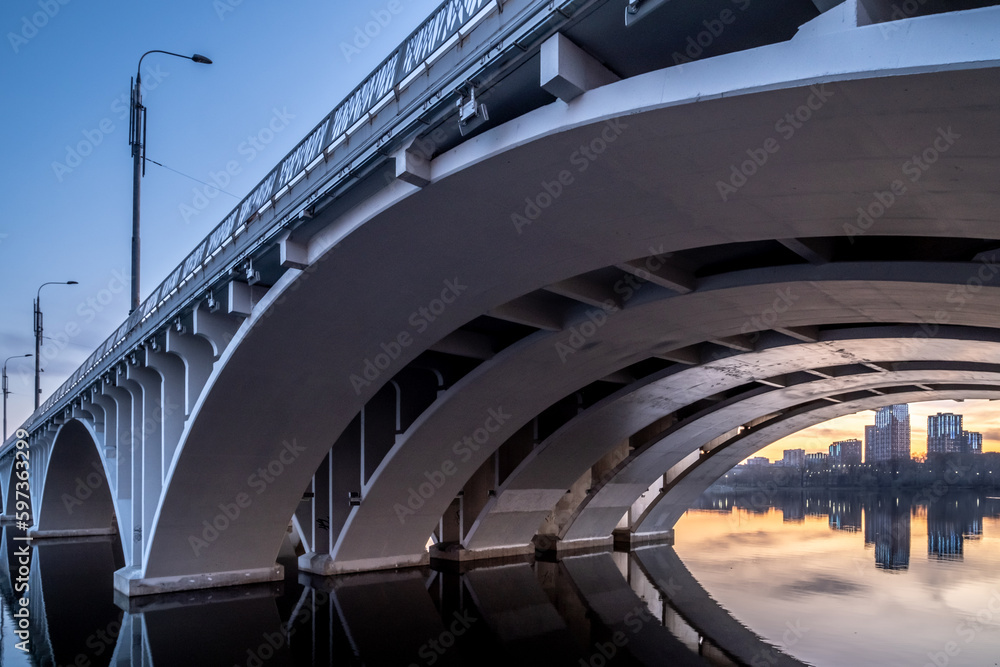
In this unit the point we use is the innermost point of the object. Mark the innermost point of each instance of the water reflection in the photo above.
(770, 579)
(68, 584)
(887, 527)
(595, 609)
(951, 523)
(921, 579)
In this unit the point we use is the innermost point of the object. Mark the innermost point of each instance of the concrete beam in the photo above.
(689, 356)
(413, 168)
(666, 275)
(243, 297)
(814, 251)
(737, 342)
(588, 291)
(567, 71)
(804, 334)
(293, 255)
(466, 344)
(528, 310)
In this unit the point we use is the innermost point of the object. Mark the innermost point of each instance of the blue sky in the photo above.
(65, 67)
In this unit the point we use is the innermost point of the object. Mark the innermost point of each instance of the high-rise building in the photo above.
(758, 461)
(869, 443)
(973, 442)
(945, 434)
(891, 436)
(815, 459)
(794, 458)
(846, 452)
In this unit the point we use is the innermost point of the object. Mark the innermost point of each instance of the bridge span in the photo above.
(547, 273)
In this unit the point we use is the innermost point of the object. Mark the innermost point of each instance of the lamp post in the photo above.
(5, 391)
(137, 140)
(38, 335)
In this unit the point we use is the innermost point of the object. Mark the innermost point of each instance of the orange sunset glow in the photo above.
(979, 415)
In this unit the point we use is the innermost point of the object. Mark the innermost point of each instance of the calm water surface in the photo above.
(754, 579)
(871, 579)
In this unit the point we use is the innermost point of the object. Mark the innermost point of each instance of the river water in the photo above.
(784, 578)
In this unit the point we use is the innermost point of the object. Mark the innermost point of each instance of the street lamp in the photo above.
(137, 140)
(5, 391)
(38, 335)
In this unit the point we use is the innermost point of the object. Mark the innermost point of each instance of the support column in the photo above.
(41, 447)
(601, 471)
(337, 477)
(110, 445)
(123, 466)
(321, 540)
(197, 355)
(172, 403)
(150, 470)
(217, 328)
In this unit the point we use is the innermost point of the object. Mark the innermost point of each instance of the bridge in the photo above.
(541, 278)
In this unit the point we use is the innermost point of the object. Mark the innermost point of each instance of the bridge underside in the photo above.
(442, 364)
(644, 285)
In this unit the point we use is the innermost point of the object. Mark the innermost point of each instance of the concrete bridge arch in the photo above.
(444, 333)
(76, 496)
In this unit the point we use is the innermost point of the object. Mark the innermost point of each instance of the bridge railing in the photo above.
(325, 149)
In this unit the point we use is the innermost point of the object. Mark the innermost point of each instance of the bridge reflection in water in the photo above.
(642, 607)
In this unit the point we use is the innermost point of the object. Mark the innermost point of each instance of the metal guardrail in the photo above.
(326, 152)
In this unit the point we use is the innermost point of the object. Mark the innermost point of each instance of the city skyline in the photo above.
(979, 416)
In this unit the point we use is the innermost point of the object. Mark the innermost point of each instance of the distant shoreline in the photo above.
(935, 475)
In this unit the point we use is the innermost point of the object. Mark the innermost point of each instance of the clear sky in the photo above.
(979, 415)
(65, 67)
